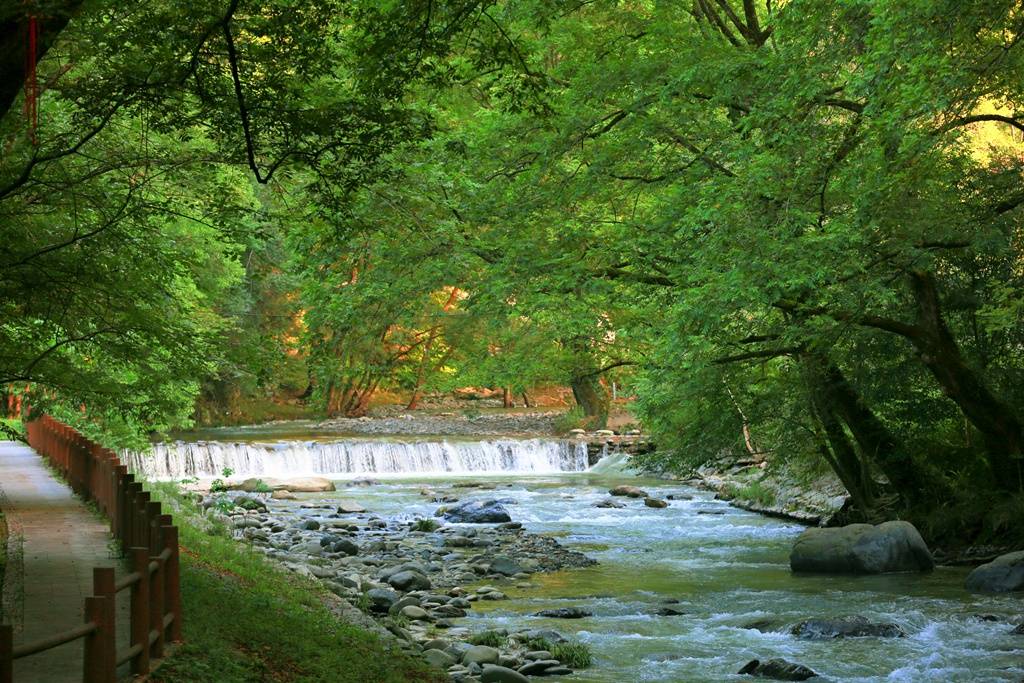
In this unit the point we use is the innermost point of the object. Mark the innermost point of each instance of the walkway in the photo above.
(62, 542)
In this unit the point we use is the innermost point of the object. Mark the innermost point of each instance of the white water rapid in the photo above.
(352, 457)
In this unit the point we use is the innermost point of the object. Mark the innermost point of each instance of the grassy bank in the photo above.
(246, 621)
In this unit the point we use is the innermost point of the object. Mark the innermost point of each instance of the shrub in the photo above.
(571, 419)
(426, 524)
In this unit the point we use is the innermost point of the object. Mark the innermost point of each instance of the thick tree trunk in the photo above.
(593, 398)
(997, 421)
(876, 443)
(851, 469)
(526, 400)
(506, 397)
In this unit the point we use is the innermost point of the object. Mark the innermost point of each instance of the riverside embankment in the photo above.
(686, 592)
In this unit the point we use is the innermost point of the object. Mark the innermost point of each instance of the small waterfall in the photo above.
(346, 458)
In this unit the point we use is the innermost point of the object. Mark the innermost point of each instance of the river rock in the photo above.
(414, 613)
(347, 506)
(505, 565)
(655, 503)
(409, 581)
(610, 503)
(777, 669)
(628, 491)
(438, 658)
(301, 484)
(845, 627)
(381, 599)
(1001, 575)
(861, 549)
(538, 668)
(493, 673)
(364, 481)
(283, 494)
(476, 512)
(344, 546)
(480, 654)
(669, 612)
(564, 613)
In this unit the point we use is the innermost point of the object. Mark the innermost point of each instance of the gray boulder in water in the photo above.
(845, 627)
(861, 549)
(1001, 575)
(476, 512)
(777, 669)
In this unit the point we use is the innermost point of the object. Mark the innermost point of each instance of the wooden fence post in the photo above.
(156, 607)
(6, 653)
(103, 585)
(98, 665)
(140, 610)
(172, 568)
(153, 515)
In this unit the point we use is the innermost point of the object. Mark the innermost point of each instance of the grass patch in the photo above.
(572, 653)
(245, 620)
(754, 492)
(489, 638)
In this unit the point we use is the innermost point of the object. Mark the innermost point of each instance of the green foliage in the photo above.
(573, 418)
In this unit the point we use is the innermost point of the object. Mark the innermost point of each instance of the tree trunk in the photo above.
(997, 422)
(852, 471)
(593, 398)
(506, 397)
(526, 400)
(874, 439)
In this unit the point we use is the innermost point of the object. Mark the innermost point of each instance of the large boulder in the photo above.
(628, 491)
(846, 627)
(481, 654)
(564, 613)
(777, 669)
(476, 512)
(493, 673)
(1001, 575)
(861, 549)
(381, 599)
(409, 581)
(348, 506)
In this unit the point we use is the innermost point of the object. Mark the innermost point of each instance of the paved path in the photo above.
(62, 542)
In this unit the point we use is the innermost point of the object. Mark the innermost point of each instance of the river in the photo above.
(727, 568)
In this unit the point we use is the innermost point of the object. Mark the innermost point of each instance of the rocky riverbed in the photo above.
(410, 575)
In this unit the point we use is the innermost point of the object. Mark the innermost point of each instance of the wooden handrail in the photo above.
(51, 642)
(97, 475)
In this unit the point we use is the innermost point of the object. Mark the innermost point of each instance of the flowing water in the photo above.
(727, 568)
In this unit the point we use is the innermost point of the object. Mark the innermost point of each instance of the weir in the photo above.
(344, 458)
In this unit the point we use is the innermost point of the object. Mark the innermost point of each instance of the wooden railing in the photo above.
(96, 474)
